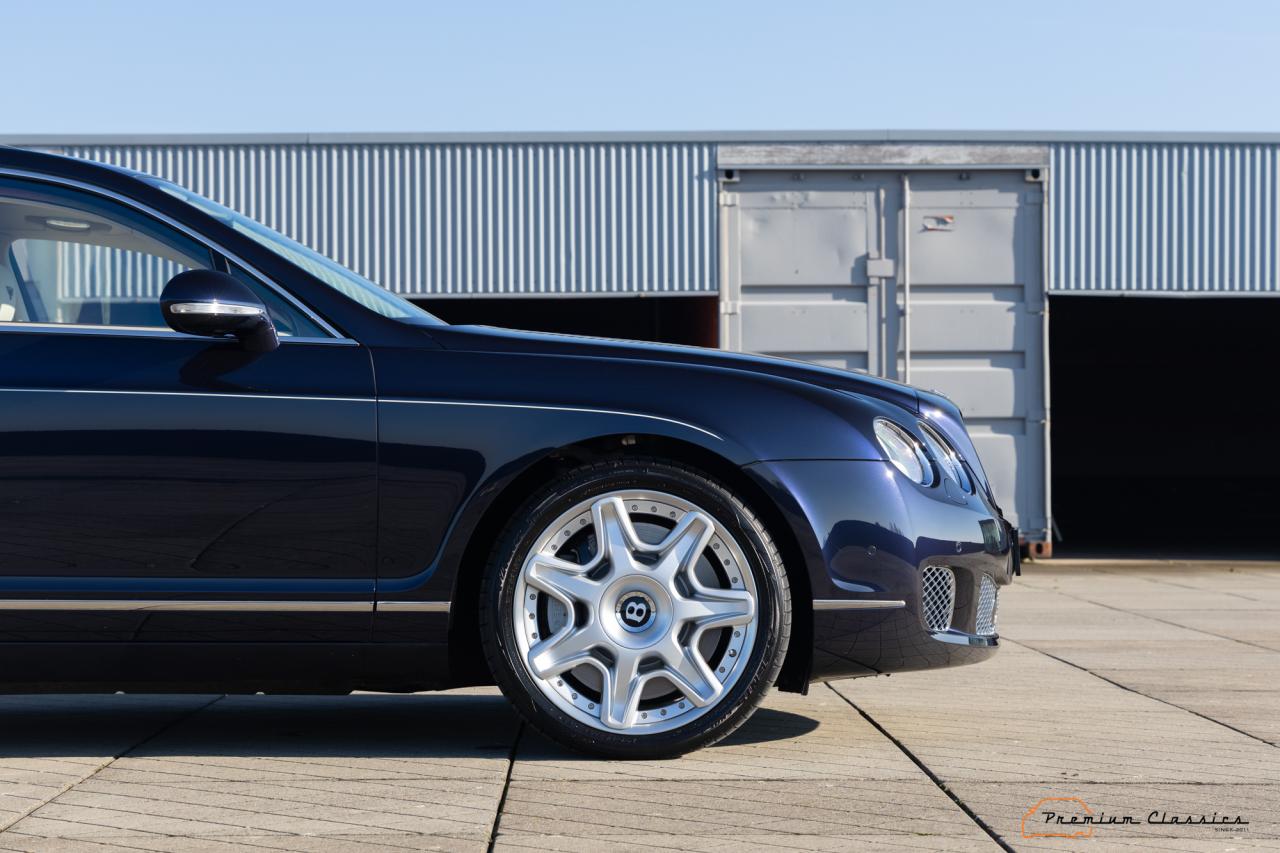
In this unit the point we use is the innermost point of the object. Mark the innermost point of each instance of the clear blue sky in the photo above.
(377, 65)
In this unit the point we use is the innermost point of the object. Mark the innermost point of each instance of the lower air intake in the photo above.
(988, 602)
(939, 598)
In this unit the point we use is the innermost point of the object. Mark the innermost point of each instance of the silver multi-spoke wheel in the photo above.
(635, 608)
(635, 612)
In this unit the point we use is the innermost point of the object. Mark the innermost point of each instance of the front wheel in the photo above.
(635, 609)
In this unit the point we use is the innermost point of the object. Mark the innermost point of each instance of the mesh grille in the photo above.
(939, 597)
(988, 601)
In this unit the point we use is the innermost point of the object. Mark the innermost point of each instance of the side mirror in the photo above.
(216, 305)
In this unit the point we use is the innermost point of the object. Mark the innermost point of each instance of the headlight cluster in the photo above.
(911, 459)
(904, 452)
(946, 458)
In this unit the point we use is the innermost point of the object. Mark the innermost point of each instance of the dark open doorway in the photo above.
(676, 320)
(1164, 425)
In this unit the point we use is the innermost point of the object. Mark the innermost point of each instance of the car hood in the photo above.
(490, 339)
(942, 412)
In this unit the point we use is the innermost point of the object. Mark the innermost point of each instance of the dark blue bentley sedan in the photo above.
(227, 463)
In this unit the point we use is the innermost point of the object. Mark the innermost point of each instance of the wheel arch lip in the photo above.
(510, 481)
(455, 573)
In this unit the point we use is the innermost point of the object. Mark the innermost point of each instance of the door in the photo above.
(818, 267)
(156, 487)
(977, 320)
(805, 269)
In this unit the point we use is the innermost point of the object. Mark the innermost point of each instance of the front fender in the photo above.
(456, 428)
(747, 416)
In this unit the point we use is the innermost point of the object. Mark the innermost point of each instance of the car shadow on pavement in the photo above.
(359, 726)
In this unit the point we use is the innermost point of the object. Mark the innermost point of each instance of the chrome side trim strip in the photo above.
(856, 604)
(414, 606)
(399, 401)
(178, 606)
(583, 409)
(172, 606)
(12, 327)
(214, 394)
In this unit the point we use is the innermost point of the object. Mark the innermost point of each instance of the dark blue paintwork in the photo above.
(382, 466)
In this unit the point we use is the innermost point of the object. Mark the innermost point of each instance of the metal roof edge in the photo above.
(708, 137)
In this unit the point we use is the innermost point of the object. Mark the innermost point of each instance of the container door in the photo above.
(803, 266)
(817, 267)
(977, 322)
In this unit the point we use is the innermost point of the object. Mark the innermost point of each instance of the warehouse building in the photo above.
(1102, 307)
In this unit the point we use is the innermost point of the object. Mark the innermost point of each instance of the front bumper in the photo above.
(867, 536)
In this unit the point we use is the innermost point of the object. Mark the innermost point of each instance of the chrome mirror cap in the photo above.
(216, 305)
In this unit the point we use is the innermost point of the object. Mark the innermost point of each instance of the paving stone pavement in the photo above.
(1125, 688)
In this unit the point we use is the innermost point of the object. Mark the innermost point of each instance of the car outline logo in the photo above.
(1087, 832)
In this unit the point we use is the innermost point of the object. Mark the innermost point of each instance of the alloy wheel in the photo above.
(635, 611)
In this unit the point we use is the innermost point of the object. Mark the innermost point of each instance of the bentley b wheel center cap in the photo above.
(636, 611)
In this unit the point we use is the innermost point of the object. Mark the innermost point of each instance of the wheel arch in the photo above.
(466, 659)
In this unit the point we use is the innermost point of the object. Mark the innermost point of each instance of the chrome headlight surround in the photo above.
(948, 460)
(904, 452)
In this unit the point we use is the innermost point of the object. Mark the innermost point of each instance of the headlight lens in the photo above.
(904, 451)
(948, 461)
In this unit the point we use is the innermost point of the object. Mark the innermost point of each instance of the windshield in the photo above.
(335, 275)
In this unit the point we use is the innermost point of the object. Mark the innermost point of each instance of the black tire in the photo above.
(772, 592)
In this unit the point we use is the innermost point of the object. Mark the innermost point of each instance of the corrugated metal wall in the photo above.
(471, 219)
(1164, 218)
(581, 217)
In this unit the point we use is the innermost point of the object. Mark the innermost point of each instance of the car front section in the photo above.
(904, 575)
(891, 570)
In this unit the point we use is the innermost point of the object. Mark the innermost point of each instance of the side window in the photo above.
(75, 258)
(288, 320)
